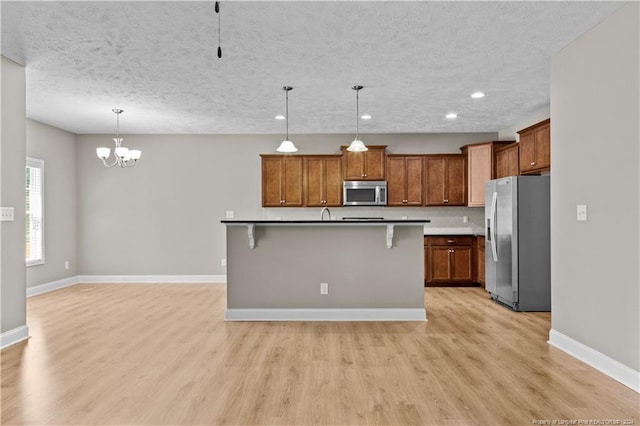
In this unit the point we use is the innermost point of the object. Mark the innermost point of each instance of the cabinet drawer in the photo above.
(453, 240)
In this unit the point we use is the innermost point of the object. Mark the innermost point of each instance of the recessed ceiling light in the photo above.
(477, 95)
(366, 117)
(280, 117)
(451, 115)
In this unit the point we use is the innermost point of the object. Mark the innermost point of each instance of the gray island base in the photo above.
(369, 270)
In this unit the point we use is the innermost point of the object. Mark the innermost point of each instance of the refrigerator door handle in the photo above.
(492, 228)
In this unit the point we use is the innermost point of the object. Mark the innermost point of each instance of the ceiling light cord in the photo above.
(217, 8)
(357, 112)
(287, 113)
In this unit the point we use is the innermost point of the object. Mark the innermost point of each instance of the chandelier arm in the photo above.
(104, 161)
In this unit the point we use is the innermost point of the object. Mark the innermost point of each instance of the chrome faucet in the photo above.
(325, 209)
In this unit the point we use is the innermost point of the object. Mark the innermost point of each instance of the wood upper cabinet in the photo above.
(404, 180)
(281, 181)
(367, 165)
(323, 180)
(480, 169)
(445, 180)
(507, 161)
(448, 260)
(535, 148)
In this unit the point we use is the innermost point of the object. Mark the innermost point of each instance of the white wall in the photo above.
(163, 215)
(12, 175)
(58, 150)
(595, 136)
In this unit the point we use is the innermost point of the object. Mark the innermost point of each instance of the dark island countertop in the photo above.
(328, 222)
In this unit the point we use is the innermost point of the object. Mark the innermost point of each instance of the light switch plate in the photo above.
(581, 212)
(229, 214)
(7, 214)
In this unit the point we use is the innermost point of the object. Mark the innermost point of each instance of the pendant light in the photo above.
(357, 145)
(123, 156)
(286, 145)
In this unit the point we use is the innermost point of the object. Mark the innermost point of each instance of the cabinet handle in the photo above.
(446, 201)
(451, 241)
(533, 163)
(405, 201)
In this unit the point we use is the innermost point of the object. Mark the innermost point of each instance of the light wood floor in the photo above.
(143, 354)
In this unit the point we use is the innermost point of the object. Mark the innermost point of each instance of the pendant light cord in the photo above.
(287, 111)
(217, 9)
(357, 112)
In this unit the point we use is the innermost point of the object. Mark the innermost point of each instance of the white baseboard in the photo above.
(609, 366)
(187, 279)
(14, 336)
(50, 286)
(326, 315)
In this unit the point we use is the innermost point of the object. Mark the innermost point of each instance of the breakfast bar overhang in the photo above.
(370, 270)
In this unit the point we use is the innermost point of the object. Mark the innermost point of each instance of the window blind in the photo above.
(34, 177)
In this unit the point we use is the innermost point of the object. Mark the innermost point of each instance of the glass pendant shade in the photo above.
(287, 146)
(135, 154)
(122, 152)
(103, 153)
(357, 146)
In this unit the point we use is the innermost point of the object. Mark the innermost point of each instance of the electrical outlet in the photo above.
(581, 212)
(223, 262)
(66, 264)
(229, 214)
(324, 288)
(7, 214)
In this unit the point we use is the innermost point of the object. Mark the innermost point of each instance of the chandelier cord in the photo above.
(287, 113)
(357, 112)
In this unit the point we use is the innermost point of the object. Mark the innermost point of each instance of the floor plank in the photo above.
(152, 354)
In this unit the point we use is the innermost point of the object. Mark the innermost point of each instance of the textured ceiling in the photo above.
(416, 60)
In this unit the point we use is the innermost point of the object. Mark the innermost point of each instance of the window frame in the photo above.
(39, 164)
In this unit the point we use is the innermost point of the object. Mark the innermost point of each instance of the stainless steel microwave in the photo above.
(364, 193)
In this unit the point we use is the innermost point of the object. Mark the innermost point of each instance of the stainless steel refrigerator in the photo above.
(517, 233)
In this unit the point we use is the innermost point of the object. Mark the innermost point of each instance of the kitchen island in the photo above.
(372, 270)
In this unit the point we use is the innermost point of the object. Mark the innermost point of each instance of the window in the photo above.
(34, 178)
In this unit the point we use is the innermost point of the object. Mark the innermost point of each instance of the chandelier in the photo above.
(123, 156)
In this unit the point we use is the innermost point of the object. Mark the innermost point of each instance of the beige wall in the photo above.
(163, 215)
(58, 150)
(511, 133)
(12, 174)
(595, 132)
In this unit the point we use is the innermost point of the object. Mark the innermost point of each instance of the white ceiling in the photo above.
(417, 61)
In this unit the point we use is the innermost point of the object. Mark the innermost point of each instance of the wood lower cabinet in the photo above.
(535, 148)
(281, 181)
(507, 161)
(445, 180)
(480, 261)
(322, 180)
(448, 260)
(367, 165)
(404, 180)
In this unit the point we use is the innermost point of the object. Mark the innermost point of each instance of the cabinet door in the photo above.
(480, 166)
(292, 182)
(527, 151)
(543, 146)
(396, 181)
(456, 181)
(271, 181)
(414, 179)
(506, 161)
(438, 262)
(314, 182)
(353, 165)
(434, 169)
(374, 164)
(333, 181)
(461, 266)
